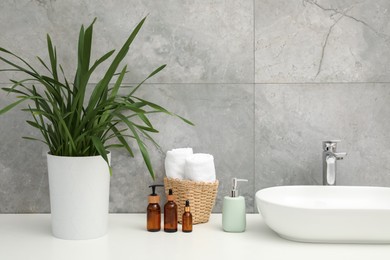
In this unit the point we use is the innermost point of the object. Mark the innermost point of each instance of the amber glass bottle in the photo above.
(153, 211)
(186, 223)
(170, 213)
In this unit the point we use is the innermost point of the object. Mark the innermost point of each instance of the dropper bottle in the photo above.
(153, 211)
(170, 213)
(186, 223)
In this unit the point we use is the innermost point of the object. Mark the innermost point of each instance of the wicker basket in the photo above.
(200, 194)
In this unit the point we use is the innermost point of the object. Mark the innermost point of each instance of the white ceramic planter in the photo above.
(79, 196)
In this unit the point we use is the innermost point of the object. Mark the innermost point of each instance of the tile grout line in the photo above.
(254, 106)
(250, 83)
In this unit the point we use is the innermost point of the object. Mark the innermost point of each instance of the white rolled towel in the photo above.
(200, 167)
(175, 161)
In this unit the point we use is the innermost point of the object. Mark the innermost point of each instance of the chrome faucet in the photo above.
(329, 157)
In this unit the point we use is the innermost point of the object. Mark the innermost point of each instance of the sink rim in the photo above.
(263, 196)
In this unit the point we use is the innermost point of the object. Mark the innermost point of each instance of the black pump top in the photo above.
(170, 192)
(154, 188)
(187, 203)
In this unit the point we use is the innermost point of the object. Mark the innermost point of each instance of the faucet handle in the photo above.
(330, 145)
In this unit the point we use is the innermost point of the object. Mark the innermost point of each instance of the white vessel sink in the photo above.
(330, 214)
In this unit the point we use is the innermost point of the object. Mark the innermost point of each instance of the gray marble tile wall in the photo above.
(264, 81)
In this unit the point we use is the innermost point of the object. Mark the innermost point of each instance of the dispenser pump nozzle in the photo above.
(235, 184)
(154, 188)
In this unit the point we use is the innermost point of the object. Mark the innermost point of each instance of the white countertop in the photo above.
(28, 237)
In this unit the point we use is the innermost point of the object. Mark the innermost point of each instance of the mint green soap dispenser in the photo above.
(233, 210)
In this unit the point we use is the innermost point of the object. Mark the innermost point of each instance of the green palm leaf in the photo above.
(73, 123)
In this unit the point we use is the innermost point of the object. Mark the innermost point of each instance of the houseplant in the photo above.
(79, 129)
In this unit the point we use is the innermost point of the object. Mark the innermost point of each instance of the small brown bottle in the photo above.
(153, 211)
(170, 213)
(186, 223)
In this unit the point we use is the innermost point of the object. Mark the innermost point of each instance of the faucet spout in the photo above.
(330, 170)
(329, 158)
